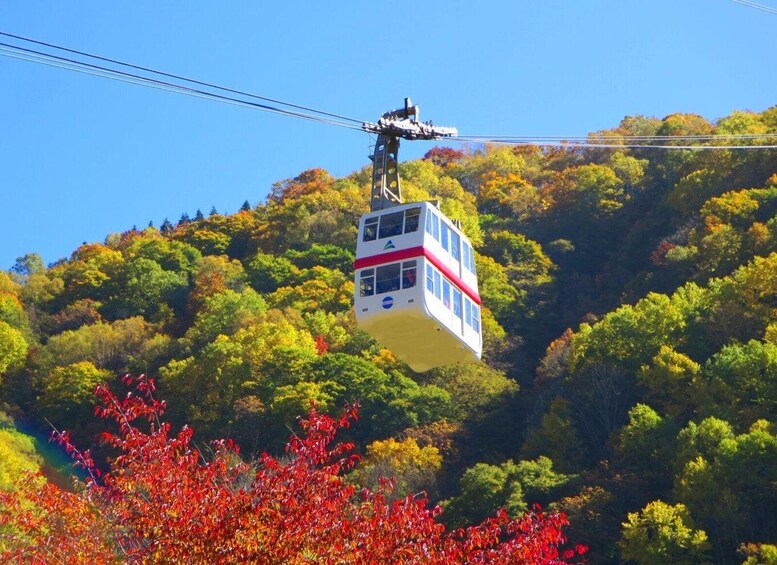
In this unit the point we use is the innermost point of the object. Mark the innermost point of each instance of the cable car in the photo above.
(416, 286)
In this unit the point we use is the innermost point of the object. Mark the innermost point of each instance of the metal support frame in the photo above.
(401, 123)
(386, 191)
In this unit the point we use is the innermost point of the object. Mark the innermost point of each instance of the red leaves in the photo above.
(322, 347)
(658, 256)
(162, 502)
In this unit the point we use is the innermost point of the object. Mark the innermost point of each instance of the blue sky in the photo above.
(82, 156)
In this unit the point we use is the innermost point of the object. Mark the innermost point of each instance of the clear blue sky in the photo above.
(82, 157)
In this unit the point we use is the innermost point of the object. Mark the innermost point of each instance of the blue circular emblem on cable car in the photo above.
(388, 302)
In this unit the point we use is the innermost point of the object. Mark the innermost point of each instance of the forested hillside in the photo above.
(629, 376)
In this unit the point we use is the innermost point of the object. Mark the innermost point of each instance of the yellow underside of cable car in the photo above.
(421, 342)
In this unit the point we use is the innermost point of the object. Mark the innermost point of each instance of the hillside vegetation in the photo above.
(629, 376)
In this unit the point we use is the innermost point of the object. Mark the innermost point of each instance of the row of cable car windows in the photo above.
(387, 278)
(391, 224)
(450, 241)
(452, 298)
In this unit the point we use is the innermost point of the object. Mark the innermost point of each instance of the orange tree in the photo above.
(162, 501)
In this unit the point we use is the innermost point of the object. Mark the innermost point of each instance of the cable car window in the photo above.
(468, 311)
(436, 227)
(367, 282)
(457, 302)
(408, 274)
(411, 219)
(430, 279)
(446, 293)
(476, 318)
(469, 258)
(429, 222)
(387, 278)
(444, 239)
(455, 242)
(390, 224)
(437, 285)
(370, 229)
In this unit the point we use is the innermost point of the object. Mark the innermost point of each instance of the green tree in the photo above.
(13, 347)
(483, 489)
(390, 401)
(631, 335)
(41, 289)
(668, 380)
(661, 533)
(147, 287)
(107, 346)
(225, 313)
(324, 255)
(527, 265)
(12, 312)
(630, 170)
(28, 264)
(266, 272)
(695, 189)
(17, 454)
(727, 481)
(474, 389)
(67, 396)
(556, 437)
(502, 298)
(741, 381)
(170, 254)
(646, 445)
(322, 289)
(486, 488)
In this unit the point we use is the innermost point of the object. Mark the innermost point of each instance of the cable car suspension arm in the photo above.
(401, 123)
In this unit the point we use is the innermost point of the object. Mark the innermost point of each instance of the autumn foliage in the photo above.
(164, 500)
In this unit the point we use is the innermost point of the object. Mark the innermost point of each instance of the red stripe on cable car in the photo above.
(390, 257)
(413, 252)
(474, 296)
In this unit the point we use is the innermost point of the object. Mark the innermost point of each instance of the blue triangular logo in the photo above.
(389, 245)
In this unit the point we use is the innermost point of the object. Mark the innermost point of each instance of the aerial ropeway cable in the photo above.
(626, 142)
(67, 63)
(417, 130)
(179, 77)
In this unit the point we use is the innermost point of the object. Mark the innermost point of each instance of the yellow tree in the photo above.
(412, 468)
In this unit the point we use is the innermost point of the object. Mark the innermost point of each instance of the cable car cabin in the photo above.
(416, 288)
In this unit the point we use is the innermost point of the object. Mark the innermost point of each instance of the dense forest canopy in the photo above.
(629, 376)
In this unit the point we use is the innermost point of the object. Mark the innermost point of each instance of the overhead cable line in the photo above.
(589, 145)
(593, 141)
(32, 55)
(598, 141)
(612, 137)
(179, 77)
(761, 7)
